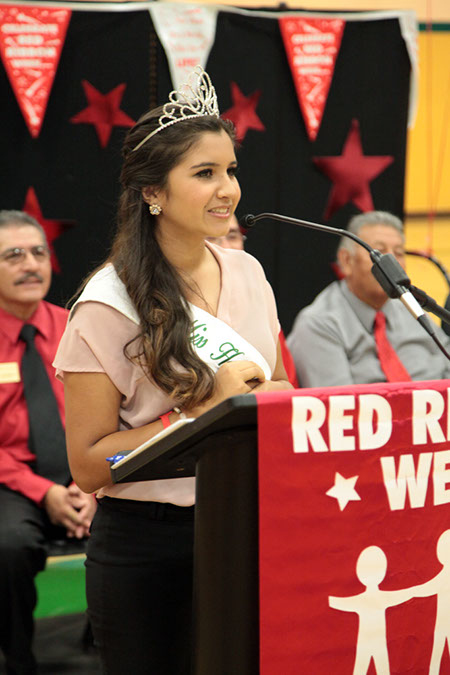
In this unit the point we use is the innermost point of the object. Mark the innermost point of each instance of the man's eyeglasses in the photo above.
(232, 236)
(14, 256)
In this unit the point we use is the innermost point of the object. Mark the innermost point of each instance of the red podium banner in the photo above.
(354, 508)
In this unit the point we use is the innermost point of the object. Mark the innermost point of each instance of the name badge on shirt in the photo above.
(9, 372)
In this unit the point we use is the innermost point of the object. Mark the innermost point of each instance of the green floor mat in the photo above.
(61, 586)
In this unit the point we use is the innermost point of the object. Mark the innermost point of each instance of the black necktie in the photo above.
(47, 439)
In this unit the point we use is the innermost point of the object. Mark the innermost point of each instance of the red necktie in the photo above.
(390, 364)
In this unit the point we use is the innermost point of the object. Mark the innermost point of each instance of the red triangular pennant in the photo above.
(312, 46)
(31, 39)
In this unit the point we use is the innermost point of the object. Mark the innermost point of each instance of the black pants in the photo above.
(139, 586)
(24, 532)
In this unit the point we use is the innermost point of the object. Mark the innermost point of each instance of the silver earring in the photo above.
(154, 209)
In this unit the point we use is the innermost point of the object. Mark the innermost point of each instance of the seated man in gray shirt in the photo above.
(332, 340)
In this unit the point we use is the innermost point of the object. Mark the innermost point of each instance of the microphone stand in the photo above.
(424, 300)
(386, 269)
(428, 303)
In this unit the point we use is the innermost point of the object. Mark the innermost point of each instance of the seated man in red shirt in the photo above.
(33, 506)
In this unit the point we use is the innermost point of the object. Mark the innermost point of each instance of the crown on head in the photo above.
(187, 103)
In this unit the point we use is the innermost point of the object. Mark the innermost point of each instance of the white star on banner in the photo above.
(344, 490)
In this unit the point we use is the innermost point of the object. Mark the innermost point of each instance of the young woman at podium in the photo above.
(169, 325)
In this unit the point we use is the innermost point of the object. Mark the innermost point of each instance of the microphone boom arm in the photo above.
(250, 220)
(386, 269)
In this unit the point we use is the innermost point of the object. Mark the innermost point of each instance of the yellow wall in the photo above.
(428, 165)
(429, 140)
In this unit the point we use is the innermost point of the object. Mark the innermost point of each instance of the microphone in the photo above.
(395, 282)
(386, 269)
(245, 222)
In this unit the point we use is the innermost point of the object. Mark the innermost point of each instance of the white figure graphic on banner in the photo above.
(439, 586)
(371, 605)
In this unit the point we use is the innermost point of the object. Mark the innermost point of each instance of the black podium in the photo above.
(220, 449)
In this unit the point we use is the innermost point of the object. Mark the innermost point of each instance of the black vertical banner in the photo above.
(117, 56)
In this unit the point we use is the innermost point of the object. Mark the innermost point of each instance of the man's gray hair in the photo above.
(19, 219)
(370, 218)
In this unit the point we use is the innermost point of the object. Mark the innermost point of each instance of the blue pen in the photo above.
(116, 458)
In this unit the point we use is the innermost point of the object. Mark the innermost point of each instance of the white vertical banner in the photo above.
(409, 30)
(187, 34)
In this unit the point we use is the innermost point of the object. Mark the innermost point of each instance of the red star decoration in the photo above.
(52, 228)
(243, 112)
(103, 111)
(352, 173)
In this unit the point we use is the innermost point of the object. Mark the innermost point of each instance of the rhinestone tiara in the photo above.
(187, 103)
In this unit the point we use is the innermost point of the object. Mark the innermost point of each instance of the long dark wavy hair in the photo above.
(156, 289)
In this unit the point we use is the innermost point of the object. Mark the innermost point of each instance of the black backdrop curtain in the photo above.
(76, 180)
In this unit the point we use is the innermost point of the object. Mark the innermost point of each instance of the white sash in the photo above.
(214, 341)
(217, 343)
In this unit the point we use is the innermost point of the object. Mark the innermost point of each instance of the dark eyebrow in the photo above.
(204, 164)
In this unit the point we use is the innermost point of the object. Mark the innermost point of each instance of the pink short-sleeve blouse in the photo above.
(97, 333)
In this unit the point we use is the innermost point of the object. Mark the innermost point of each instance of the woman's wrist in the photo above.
(181, 415)
(172, 416)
